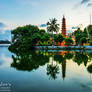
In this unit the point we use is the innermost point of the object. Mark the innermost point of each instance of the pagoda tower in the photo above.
(63, 31)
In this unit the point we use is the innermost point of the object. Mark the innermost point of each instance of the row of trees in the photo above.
(83, 36)
(28, 36)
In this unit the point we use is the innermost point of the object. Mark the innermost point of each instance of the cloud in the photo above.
(33, 3)
(3, 28)
(4, 61)
(43, 25)
(2, 25)
(85, 1)
(89, 5)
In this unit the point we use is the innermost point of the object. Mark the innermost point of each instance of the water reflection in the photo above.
(5, 57)
(89, 68)
(81, 57)
(29, 61)
(55, 61)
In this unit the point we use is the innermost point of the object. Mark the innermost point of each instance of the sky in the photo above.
(14, 13)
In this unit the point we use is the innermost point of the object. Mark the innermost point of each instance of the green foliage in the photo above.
(59, 58)
(28, 61)
(24, 38)
(52, 25)
(83, 40)
(58, 38)
(90, 43)
(68, 41)
(79, 34)
(45, 43)
(26, 31)
(45, 37)
(42, 31)
(68, 55)
(80, 58)
(52, 71)
(89, 68)
(90, 29)
(35, 38)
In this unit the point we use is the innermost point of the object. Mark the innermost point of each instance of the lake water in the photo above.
(42, 71)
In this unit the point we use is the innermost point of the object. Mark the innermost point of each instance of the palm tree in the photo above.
(52, 27)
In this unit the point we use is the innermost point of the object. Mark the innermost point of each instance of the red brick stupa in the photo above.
(63, 31)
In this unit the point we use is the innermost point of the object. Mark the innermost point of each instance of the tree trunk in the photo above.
(53, 38)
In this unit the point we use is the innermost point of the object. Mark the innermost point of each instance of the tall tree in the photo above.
(83, 40)
(58, 38)
(69, 41)
(24, 38)
(52, 27)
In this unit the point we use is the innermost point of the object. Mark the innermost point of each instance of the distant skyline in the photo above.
(15, 13)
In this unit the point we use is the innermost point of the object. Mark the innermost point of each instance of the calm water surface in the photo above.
(63, 71)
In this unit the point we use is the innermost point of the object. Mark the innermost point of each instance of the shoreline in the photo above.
(63, 47)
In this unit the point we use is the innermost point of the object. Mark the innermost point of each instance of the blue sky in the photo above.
(15, 13)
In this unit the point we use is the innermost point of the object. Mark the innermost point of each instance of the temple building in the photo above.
(63, 31)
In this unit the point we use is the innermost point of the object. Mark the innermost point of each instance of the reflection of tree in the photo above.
(80, 58)
(59, 58)
(52, 71)
(68, 55)
(90, 56)
(29, 61)
(85, 59)
(89, 68)
(62, 60)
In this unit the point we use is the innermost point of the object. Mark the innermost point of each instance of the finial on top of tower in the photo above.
(63, 16)
(90, 19)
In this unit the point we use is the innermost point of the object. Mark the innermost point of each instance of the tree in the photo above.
(45, 37)
(89, 30)
(52, 27)
(58, 38)
(35, 38)
(24, 38)
(42, 31)
(27, 61)
(80, 58)
(89, 68)
(52, 71)
(68, 55)
(81, 35)
(59, 58)
(68, 41)
(83, 40)
(78, 34)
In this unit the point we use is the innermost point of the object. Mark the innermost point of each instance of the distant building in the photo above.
(74, 40)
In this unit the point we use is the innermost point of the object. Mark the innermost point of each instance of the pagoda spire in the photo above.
(63, 31)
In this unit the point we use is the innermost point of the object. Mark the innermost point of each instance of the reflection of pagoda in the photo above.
(63, 69)
(63, 31)
(63, 53)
